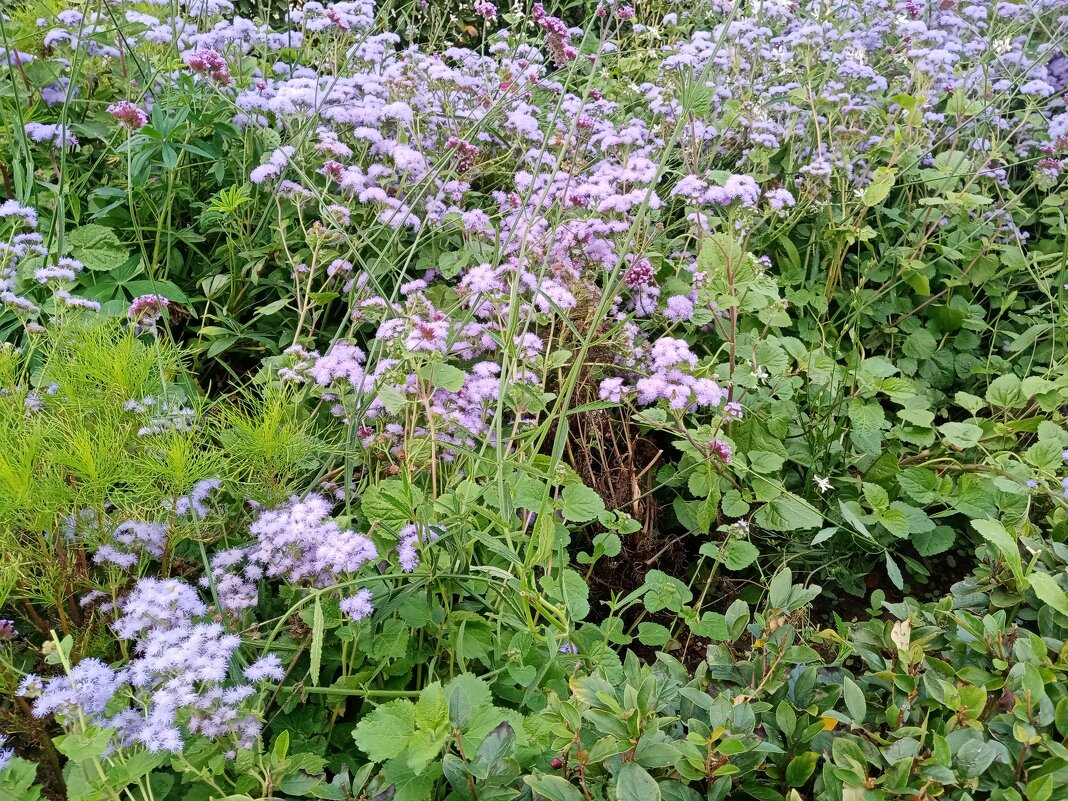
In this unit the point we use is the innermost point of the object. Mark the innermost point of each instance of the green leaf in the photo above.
(1006, 392)
(712, 625)
(781, 588)
(1060, 717)
(737, 618)
(393, 400)
(961, 435)
(552, 788)
(635, 784)
(160, 286)
(653, 634)
(431, 710)
(894, 521)
(919, 483)
(787, 513)
(854, 700)
(875, 496)
(764, 461)
(894, 572)
(581, 504)
(665, 592)
(443, 376)
(974, 757)
(920, 344)
(801, 768)
(90, 745)
(385, 732)
(409, 784)
(97, 247)
(1049, 591)
(576, 595)
(993, 532)
(931, 543)
(739, 554)
(867, 421)
(464, 694)
(497, 746)
(882, 181)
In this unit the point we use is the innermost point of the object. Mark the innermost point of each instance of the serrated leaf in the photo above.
(385, 732)
(962, 435)
(97, 247)
(787, 513)
(653, 634)
(931, 543)
(894, 521)
(443, 376)
(1006, 392)
(581, 504)
(464, 694)
(919, 483)
(882, 181)
(739, 554)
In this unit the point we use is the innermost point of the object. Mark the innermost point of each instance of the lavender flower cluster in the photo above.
(176, 684)
(298, 544)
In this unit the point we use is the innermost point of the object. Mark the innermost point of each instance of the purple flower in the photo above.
(147, 310)
(412, 538)
(264, 668)
(12, 208)
(721, 450)
(55, 135)
(210, 64)
(732, 411)
(129, 116)
(612, 389)
(679, 308)
(357, 606)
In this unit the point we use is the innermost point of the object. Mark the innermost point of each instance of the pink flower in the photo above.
(128, 115)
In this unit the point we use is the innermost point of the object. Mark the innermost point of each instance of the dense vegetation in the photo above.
(568, 402)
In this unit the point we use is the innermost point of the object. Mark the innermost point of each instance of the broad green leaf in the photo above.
(993, 532)
(385, 732)
(581, 504)
(553, 788)
(854, 700)
(97, 247)
(961, 435)
(739, 554)
(443, 376)
(635, 784)
(1006, 392)
(882, 181)
(801, 768)
(464, 694)
(931, 543)
(1049, 591)
(787, 513)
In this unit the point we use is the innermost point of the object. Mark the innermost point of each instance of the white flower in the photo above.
(822, 484)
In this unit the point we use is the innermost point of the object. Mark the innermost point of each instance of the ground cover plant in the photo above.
(565, 401)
